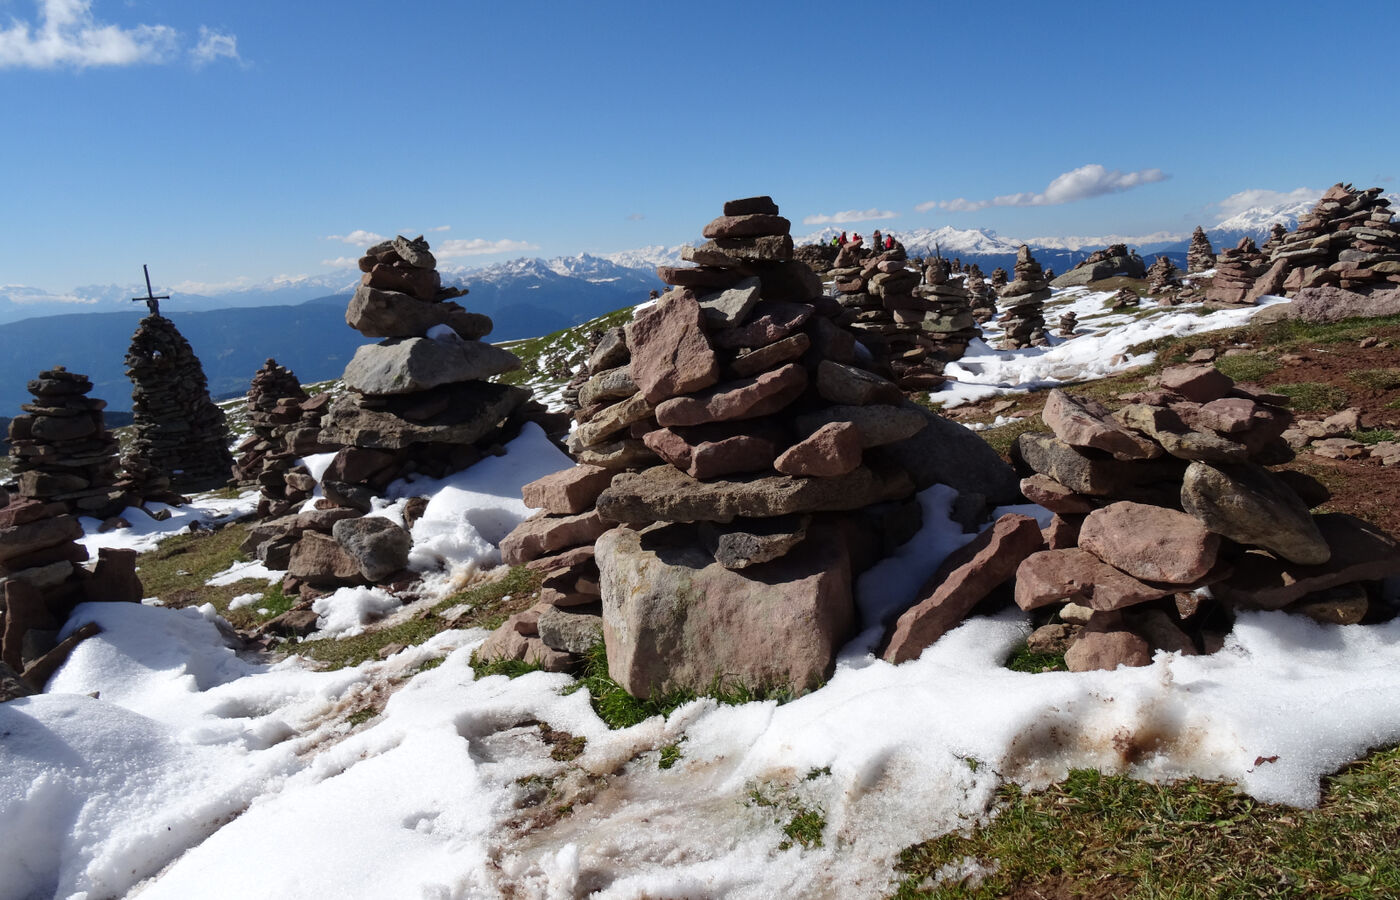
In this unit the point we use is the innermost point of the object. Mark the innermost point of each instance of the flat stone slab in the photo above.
(409, 365)
(543, 534)
(1251, 505)
(1150, 542)
(477, 408)
(387, 314)
(1078, 575)
(1097, 476)
(878, 424)
(671, 354)
(1085, 422)
(568, 491)
(666, 494)
(748, 398)
(1359, 551)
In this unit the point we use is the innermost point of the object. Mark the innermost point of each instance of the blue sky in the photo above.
(227, 141)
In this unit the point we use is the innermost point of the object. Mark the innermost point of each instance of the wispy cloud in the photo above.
(341, 262)
(67, 34)
(479, 247)
(441, 228)
(1082, 183)
(1238, 203)
(850, 215)
(214, 45)
(23, 294)
(358, 236)
(635, 217)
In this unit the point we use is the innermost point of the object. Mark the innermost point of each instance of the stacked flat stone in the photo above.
(285, 425)
(736, 468)
(981, 299)
(1068, 322)
(1276, 235)
(1022, 322)
(1163, 276)
(948, 324)
(1235, 272)
(1171, 494)
(999, 278)
(820, 258)
(61, 450)
(180, 438)
(1124, 299)
(1348, 240)
(1200, 256)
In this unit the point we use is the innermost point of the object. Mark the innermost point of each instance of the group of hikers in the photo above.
(878, 244)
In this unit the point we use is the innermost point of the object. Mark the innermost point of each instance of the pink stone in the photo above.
(541, 534)
(834, 449)
(712, 458)
(567, 491)
(1049, 493)
(1107, 650)
(1152, 543)
(1085, 422)
(1201, 383)
(747, 398)
(670, 353)
(1078, 575)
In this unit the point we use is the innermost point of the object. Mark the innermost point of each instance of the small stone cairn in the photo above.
(180, 438)
(1200, 256)
(1348, 240)
(1124, 298)
(61, 449)
(1166, 522)
(1235, 272)
(1276, 235)
(982, 300)
(999, 278)
(1022, 322)
(736, 467)
(948, 324)
(1163, 276)
(285, 425)
(1068, 322)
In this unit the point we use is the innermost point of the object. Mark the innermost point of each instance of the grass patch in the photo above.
(511, 668)
(1247, 366)
(492, 602)
(1377, 379)
(176, 572)
(1312, 396)
(1003, 436)
(273, 600)
(552, 357)
(360, 717)
(801, 823)
(670, 755)
(428, 664)
(1372, 435)
(1024, 659)
(564, 747)
(337, 653)
(620, 709)
(1110, 836)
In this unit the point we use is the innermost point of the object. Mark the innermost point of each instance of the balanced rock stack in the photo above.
(1200, 256)
(1276, 235)
(1235, 272)
(1114, 260)
(1163, 276)
(1169, 495)
(948, 325)
(982, 301)
(1022, 322)
(1068, 322)
(285, 426)
(61, 449)
(1348, 240)
(999, 278)
(1124, 298)
(753, 468)
(180, 438)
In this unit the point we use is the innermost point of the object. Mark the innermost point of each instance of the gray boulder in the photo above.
(379, 546)
(944, 452)
(408, 365)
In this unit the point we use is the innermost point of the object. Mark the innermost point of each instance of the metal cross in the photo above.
(151, 300)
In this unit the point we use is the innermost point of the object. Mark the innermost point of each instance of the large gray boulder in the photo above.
(386, 314)
(472, 410)
(409, 365)
(673, 618)
(379, 546)
(944, 452)
(1129, 266)
(1251, 505)
(1332, 304)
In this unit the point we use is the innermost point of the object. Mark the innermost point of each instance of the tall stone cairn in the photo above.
(1349, 240)
(180, 437)
(999, 278)
(1022, 321)
(948, 325)
(980, 297)
(1163, 276)
(1276, 235)
(61, 449)
(1235, 272)
(753, 465)
(1200, 256)
(285, 426)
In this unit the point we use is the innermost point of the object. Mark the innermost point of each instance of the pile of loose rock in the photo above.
(1330, 437)
(1348, 240)
(1235, 273)
(1200, 256)
(999, 278)
(1022, 321)
(285, 427)
(61, 449)
(1124, 298)
(981, 299)
(1166, 522)
(1163, 276)
(737, 467)
(180, 438)
(1112, 261)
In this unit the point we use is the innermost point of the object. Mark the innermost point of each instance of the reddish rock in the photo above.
(749, 206)
(1107, 650)
(357, 465)
(769, 356)
(1079, 575)
(771, 321)
(751, 225)
(1152, 543)
(852, 386)
(568, 491)
(24, 511)
(1049, 493)
(1201, 383)
(749, 398)
(967, 576)
(17, 540)
(670, 353)
(318, 560)
(1063, 532)
(562, 560)
(833, 449)
(710, 453)
(1085, 422)
(541, 534)
(114, 579)
(24, 609)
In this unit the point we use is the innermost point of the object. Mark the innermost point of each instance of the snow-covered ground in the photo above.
(161, 764)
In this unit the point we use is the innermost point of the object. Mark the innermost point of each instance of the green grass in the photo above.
(552, 357)
(1312, 396)
(670, 755)
(802, 823)
(1023, 659)
(620, 709)
(1377, 379)
(511, 668)
(360, 717)
(1003, 436)
(1110, 836)
(1372, 435)
(176, 572)
(1248, 366)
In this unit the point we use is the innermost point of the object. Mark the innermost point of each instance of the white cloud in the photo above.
(441, 228)
(358, 236)
(341, 262)
(1082, 183)
(23, 294)
(67, 34)
(479, 247)
(214, 45)
(1238, 203)
(635, 217)
(850, 215)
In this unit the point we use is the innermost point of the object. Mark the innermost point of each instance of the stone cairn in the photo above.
(61, 442)
(1022, 322)
(1124, 298)
(999, 278)
(1200, 256)
(180, 438)
(982, 300)
(948, 324)
(1153, 503)
(1235, 272)
(1068, 322)
(1113, 260)
(416, 403)
(1163, 276)
(286, 426)
(1347, 241)
(1276, 235)
(61, 449)
(736, 467)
